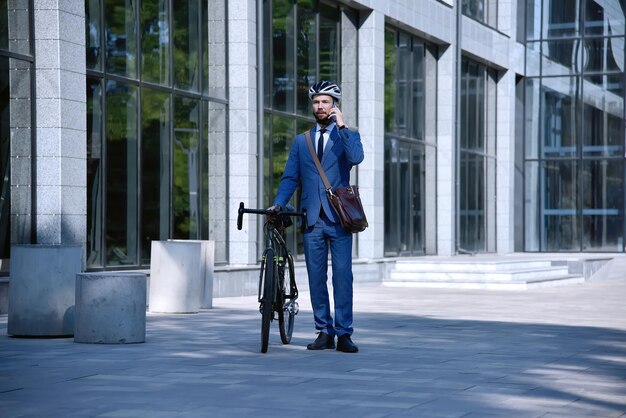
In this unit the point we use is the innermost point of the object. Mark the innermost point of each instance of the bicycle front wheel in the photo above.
(287, 295)
(266, 299)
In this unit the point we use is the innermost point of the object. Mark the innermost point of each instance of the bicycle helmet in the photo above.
(325, 87)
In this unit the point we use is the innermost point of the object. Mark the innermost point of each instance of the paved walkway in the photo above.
(558, 352)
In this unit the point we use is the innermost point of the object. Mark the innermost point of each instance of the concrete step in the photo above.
(544, 273)
(488, 284)
(475, 273)
(470, 265)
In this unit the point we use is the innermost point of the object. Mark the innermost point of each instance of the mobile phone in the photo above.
(333, 117)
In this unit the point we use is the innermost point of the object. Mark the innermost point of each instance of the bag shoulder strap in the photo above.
(316, 160)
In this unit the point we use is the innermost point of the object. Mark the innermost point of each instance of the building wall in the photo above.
(59, 212)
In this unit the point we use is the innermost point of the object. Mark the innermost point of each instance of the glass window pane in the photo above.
(533, 58)
(604, 55)
(121, 38)
(5, 158)
(283, 133)
(560, 18)
(474, 9)
(532, 230)
(405, 201)
(121, 182)
(532, 107)
(594, 18)
(561, 120)
(472, 202)
(94, 173)
(268, 56)
(93, 28)
(283, 84)
(155, 33)
(330, 57)
(417, 197)
(155, 173)
(403, 78)
(473, 106)
(560, 217)
(604, 17)
(603, 132)
(533, 19)
(186, 36)
(603, 205)
(558, 58)
(417, 120)
(307, 53)
(186, 176)
(391, 198)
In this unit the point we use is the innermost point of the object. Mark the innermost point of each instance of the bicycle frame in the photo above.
(275, 295)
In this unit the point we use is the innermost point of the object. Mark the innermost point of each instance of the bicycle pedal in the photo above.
(291, 307)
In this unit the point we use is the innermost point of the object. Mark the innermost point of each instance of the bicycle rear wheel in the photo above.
(287, 294)
(266, 299)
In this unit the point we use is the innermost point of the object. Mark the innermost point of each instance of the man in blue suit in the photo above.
(339, 149)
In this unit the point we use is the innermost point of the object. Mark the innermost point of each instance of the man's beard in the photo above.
(322, 120)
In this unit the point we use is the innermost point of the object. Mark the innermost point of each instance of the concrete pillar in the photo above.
(242, 127)
(42, 289)
(61, 155)
(217, 116)
(110, 308)
(446, 152)
(505, 151)
(371, 173)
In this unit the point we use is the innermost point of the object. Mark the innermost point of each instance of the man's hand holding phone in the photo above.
(336, 116)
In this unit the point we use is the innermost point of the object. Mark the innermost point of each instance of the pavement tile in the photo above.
(423, 353)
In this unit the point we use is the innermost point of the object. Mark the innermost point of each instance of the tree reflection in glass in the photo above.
(121, 173)
(185, 203)
(155, 35)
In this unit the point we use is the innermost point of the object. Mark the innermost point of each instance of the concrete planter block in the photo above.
(208, 268)
(41, 290)
(176, 277)
(110, 308)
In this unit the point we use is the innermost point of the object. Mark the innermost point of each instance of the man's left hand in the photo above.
(336, 112)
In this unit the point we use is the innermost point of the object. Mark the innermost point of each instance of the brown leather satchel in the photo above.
(346, 201)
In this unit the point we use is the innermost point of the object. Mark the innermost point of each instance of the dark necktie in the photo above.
(320, 145)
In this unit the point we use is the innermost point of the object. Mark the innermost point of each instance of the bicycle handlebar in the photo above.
(243, 210)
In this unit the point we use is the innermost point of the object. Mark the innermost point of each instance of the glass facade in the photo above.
(16, 123)
(409, 145)
(574, 126)
(156, 107)
(157, 118)
(301, 45)
(477, 166)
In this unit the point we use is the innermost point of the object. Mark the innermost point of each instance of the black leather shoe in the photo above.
(322, 342)
(345, 344)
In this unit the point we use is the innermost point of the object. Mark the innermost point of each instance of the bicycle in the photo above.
(277, 281)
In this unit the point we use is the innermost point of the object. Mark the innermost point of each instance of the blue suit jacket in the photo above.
(343, 151)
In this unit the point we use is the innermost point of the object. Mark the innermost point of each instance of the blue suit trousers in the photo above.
(318, 239)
